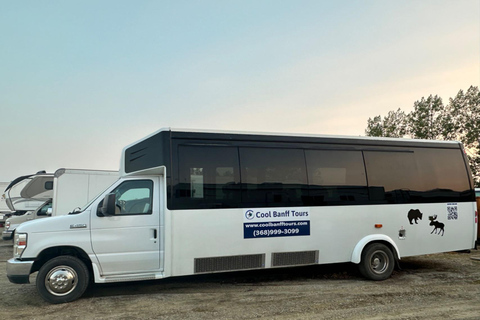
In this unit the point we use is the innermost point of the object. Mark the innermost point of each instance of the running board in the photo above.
(125, 278)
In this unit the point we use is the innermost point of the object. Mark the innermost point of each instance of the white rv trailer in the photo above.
(5, 211)
(194, 202)
(27, 193)
(73, 188)
(61, 193)
(3, 202)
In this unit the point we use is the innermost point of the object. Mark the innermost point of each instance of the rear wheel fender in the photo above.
(357, 251)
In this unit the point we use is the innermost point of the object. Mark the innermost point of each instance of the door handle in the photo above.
(154, 233)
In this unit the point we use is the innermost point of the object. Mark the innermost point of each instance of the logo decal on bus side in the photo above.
(276, 222)
(249, 214)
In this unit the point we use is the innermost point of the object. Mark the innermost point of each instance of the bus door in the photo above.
(128, 241)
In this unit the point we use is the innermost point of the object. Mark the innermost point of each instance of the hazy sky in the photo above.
(79, 80)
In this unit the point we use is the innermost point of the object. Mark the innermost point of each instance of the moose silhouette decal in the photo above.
(437, 225)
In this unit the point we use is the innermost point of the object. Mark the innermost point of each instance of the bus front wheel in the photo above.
(377, 262)
(62, 279)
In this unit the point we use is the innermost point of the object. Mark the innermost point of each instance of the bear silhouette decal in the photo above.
(414, 215)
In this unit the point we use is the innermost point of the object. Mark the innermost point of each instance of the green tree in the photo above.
(425, 121)
(395, 124)
(374, 127)
(392, 125)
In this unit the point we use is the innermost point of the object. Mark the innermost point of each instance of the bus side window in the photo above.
(208, 177)
(273, 176)
(395, 172)
(421, 175)
(336, 177)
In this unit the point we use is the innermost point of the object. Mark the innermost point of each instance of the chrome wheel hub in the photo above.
(61, 280)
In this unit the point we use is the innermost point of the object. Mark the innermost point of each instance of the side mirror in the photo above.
(108, 207)
(49, 211)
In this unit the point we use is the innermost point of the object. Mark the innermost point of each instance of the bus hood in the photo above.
(56, 224)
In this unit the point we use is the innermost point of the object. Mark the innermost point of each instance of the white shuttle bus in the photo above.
(194, 202)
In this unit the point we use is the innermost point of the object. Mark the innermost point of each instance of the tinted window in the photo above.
(336, 177)
(273, 177)
(208, 177)
(422, 175)
(445, 175)
(443, 169)
(232, 177)
(391, 176)
(44, 210)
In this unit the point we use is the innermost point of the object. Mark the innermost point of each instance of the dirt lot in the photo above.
(441, 286)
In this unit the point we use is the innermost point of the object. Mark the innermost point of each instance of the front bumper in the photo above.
(19, 271)
(7, 235)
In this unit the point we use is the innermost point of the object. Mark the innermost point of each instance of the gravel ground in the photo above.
(441, 286)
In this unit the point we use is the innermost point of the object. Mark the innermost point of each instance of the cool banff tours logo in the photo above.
(276, 214)
(249, 214)
(276, 222)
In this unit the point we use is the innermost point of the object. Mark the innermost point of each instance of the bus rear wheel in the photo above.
(377, 262)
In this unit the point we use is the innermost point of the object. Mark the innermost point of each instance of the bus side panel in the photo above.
(334, 232)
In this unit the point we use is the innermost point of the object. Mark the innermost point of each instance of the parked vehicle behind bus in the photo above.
(196, 202)
(5, 211)
(13, 222)
(61, 193)
(27, 193)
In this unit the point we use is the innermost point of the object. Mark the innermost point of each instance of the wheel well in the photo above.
(50, 253)
(389, 246)
(374, 238)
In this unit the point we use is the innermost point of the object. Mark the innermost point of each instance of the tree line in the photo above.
(459, 119)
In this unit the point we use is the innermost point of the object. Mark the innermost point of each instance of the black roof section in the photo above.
(306, 138)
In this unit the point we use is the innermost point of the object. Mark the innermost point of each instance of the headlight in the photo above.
(7, 225)
(19, 244)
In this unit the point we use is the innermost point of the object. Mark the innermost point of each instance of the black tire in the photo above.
(377, 262)
(62, 279)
